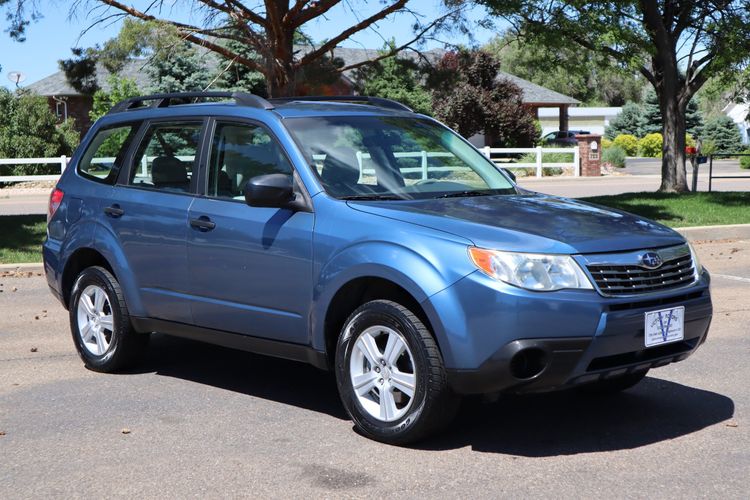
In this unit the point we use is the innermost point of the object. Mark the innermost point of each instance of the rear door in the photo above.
(148, 213)
(250, 268)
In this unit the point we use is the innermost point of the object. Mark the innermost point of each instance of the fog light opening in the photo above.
(528, 363)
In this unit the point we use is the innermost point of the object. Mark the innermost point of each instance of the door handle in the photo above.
(114, 211)
(202, 223)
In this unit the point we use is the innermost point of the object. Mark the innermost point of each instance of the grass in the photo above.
(21, 238)
(683, 210)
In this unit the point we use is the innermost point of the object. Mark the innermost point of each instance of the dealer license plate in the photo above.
(665, 326)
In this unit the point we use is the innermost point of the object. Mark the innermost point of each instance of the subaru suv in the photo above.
(355, 235)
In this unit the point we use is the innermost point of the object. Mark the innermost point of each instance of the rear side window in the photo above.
(166, 157)
(106, 153)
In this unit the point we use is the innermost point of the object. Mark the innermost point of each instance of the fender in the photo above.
(386, 260)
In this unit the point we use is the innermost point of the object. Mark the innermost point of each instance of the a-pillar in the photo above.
(590, 150)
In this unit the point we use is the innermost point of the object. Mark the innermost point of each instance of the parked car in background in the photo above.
(563, 137)
(363, 238)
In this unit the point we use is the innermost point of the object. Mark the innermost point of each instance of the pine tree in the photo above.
(629, 121)
(724, 134)
(180, 70)
(652, 120)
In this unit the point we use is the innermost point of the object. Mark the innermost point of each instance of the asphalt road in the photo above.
(205, 421)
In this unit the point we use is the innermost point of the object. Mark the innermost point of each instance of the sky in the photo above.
(51, 38)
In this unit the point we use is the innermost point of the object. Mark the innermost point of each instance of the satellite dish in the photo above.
(16, 77)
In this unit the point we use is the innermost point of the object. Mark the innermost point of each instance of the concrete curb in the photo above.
(27, 267)
(726, 232)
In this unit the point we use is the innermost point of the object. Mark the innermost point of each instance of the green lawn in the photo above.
(21, 238)
(683, 210)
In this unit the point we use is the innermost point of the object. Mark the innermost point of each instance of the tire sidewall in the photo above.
(375, 314)
(95, 276)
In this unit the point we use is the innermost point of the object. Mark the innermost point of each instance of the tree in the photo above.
(398, 79)
(469, 98)
(267, 27)
(652, 122)
(586, 75)
(630, 121)
(119, 89)
(724, 134)
(29, 129)
(677, 45)
(180, 70)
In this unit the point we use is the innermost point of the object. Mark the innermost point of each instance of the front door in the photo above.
(250, 268)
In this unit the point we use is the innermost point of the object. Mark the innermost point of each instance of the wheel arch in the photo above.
(358, 291)
(79, 260)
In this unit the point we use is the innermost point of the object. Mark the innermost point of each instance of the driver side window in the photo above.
(239, 153)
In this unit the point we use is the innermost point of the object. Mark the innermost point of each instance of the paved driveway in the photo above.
(209, 422)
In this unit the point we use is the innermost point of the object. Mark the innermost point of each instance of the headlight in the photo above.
(696, 262)
(531, 271)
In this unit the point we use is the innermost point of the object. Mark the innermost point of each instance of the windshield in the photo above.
(385, 157)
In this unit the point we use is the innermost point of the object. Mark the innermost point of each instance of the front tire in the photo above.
(100, 324)
(391, 376)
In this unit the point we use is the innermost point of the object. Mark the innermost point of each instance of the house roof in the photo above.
(57, 85)
(536, 94)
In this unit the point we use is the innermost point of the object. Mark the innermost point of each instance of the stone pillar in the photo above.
(590, 148)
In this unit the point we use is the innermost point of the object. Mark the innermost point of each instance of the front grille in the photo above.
(615, 280)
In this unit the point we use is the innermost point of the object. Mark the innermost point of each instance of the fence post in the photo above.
(538, 161)
(359, 164)
(424, 165)
(144, 165)
(487, 152)
(63, 163)
(577, 162)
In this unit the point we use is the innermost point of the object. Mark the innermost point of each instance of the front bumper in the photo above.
(567, 338)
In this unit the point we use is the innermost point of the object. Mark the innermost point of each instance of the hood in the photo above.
(530, 223)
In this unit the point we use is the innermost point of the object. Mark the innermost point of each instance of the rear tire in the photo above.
(402, 392)
(100, 324)
(614, 385)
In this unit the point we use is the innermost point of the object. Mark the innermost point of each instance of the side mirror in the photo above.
(271, 191)
(509, 174)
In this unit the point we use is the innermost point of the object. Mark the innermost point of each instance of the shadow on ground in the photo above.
(568, 423)
(274, 379)
(533, 426)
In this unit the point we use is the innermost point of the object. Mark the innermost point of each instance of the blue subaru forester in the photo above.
(360, 237)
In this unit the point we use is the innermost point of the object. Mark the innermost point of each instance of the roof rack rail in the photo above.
(375, 101)
(164, 100)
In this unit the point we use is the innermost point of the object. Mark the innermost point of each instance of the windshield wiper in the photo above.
(365, 197)
(461, 194)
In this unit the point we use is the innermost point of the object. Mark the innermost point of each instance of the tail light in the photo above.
(55, 198)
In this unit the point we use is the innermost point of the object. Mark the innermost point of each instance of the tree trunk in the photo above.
(673, 174)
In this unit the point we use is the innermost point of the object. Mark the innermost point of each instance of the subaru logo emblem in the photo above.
(651, 260)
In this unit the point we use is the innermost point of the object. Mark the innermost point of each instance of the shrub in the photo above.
(708, 147)
(745, 160)
(606, 143)
(615, 156)
(650, 146)
(628, 143)
(689, 141)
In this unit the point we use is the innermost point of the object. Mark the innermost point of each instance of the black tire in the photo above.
(433, 405)
(126, 346)
(614, 385)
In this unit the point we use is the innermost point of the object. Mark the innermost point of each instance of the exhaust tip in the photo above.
(528, 363)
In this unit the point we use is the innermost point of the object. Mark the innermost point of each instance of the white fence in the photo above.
(423, 169)
(538, 165)
(61, 160)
